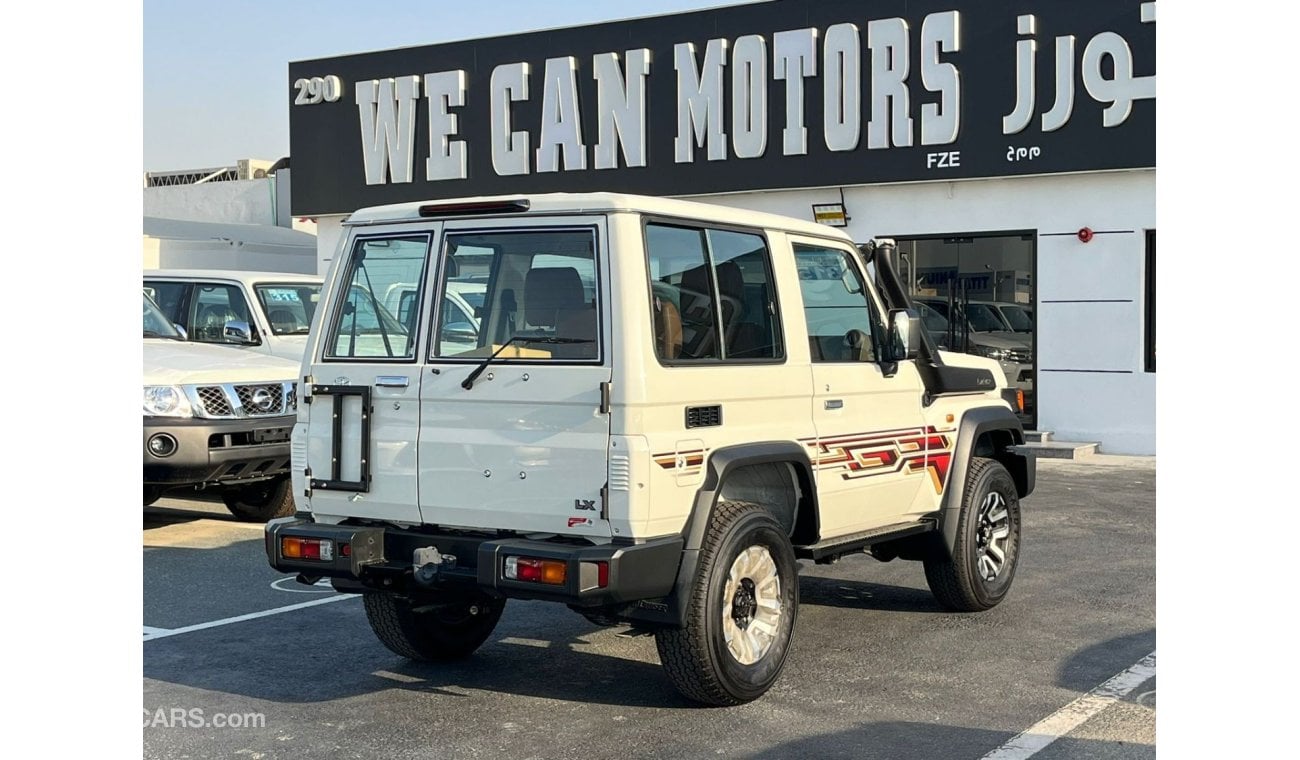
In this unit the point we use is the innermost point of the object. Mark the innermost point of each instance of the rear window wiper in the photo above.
(468, 382)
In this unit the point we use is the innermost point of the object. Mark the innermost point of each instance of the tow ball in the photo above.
(429, 563)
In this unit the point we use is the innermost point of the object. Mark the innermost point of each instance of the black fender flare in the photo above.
(730, 458)
(975, 423)
(719, 463)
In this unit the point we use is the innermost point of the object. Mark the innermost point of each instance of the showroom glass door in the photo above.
(976, 296)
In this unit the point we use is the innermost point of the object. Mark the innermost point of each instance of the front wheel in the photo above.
(261, 501)
(978, 572)
(740, 612)
(432, 630)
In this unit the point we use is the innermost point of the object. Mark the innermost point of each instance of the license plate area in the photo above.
(272, 435)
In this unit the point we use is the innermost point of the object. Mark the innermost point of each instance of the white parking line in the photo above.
(1070, 717)
(161, 633)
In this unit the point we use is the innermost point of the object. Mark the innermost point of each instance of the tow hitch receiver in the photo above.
(429, 563)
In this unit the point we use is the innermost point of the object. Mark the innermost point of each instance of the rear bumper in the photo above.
(382, 558)
(217, 451)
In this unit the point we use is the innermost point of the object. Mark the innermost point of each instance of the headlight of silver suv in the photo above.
(166, 401)
(993, 353)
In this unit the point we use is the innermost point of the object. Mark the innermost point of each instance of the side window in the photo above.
(289, 308)
(745, 295)
(170, 297)
(213, 306)
(363, 325)
(842, 322)
(712, 295)
(684, 316)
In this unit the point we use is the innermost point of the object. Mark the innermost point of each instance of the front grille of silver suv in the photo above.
(240, 400)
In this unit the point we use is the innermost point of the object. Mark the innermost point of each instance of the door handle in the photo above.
(392, 381)
(834, 403)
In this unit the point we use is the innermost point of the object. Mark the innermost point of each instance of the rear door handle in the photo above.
(834, 403)
(392, 381)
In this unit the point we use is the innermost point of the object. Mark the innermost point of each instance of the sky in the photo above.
(216, 74)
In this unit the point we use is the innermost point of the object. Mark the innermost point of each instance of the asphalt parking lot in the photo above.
(877, 670)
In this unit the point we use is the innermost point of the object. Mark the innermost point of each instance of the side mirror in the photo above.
(904, 334)
(459, 332)
(181, 330)
(238, 332)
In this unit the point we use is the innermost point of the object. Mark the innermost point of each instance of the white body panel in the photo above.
(173, 362)
(528, 448)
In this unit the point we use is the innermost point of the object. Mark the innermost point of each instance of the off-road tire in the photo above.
(431, 635)
(955, 579)
(261, 501)
(696, 657)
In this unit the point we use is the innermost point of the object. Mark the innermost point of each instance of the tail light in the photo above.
(534, 570)
(294, 547)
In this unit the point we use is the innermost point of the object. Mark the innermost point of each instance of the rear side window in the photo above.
(288, 307)
(364, 324)
(712, 297)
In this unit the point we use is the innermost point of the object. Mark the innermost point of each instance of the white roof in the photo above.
(584, 203)
(248, 278)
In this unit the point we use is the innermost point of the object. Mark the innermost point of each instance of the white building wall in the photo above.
(1089, 296)
(244, 201)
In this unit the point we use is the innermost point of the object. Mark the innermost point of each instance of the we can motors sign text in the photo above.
(771, 95)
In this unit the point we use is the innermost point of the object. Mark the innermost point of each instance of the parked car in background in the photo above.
(216, 417)
(1019, 317)
(986, 335)
(265, 312)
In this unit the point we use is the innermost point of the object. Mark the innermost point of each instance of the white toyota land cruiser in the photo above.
(660, 408)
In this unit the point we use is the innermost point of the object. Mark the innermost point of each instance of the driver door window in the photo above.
(215, 305)
(843, 325)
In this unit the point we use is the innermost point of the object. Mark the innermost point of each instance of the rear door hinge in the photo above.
(606, 390)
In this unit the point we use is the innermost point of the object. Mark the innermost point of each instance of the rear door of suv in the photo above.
(364, 408)
(521, 442)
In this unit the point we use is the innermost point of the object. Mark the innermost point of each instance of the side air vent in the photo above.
(703, 416)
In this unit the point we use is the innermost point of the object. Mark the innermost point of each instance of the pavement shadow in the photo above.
(161, 517)
(1096, 663)
(333, 655)
(857, 595)
(921, 741)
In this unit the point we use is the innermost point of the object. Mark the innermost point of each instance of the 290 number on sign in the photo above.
(318, 90)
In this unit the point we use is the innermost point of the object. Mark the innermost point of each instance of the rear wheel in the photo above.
(740, 612)
(432, 630)
(261, 501)
(978, 572)
(152, 494)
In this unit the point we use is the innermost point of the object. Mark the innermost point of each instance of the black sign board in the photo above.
(787, 94)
